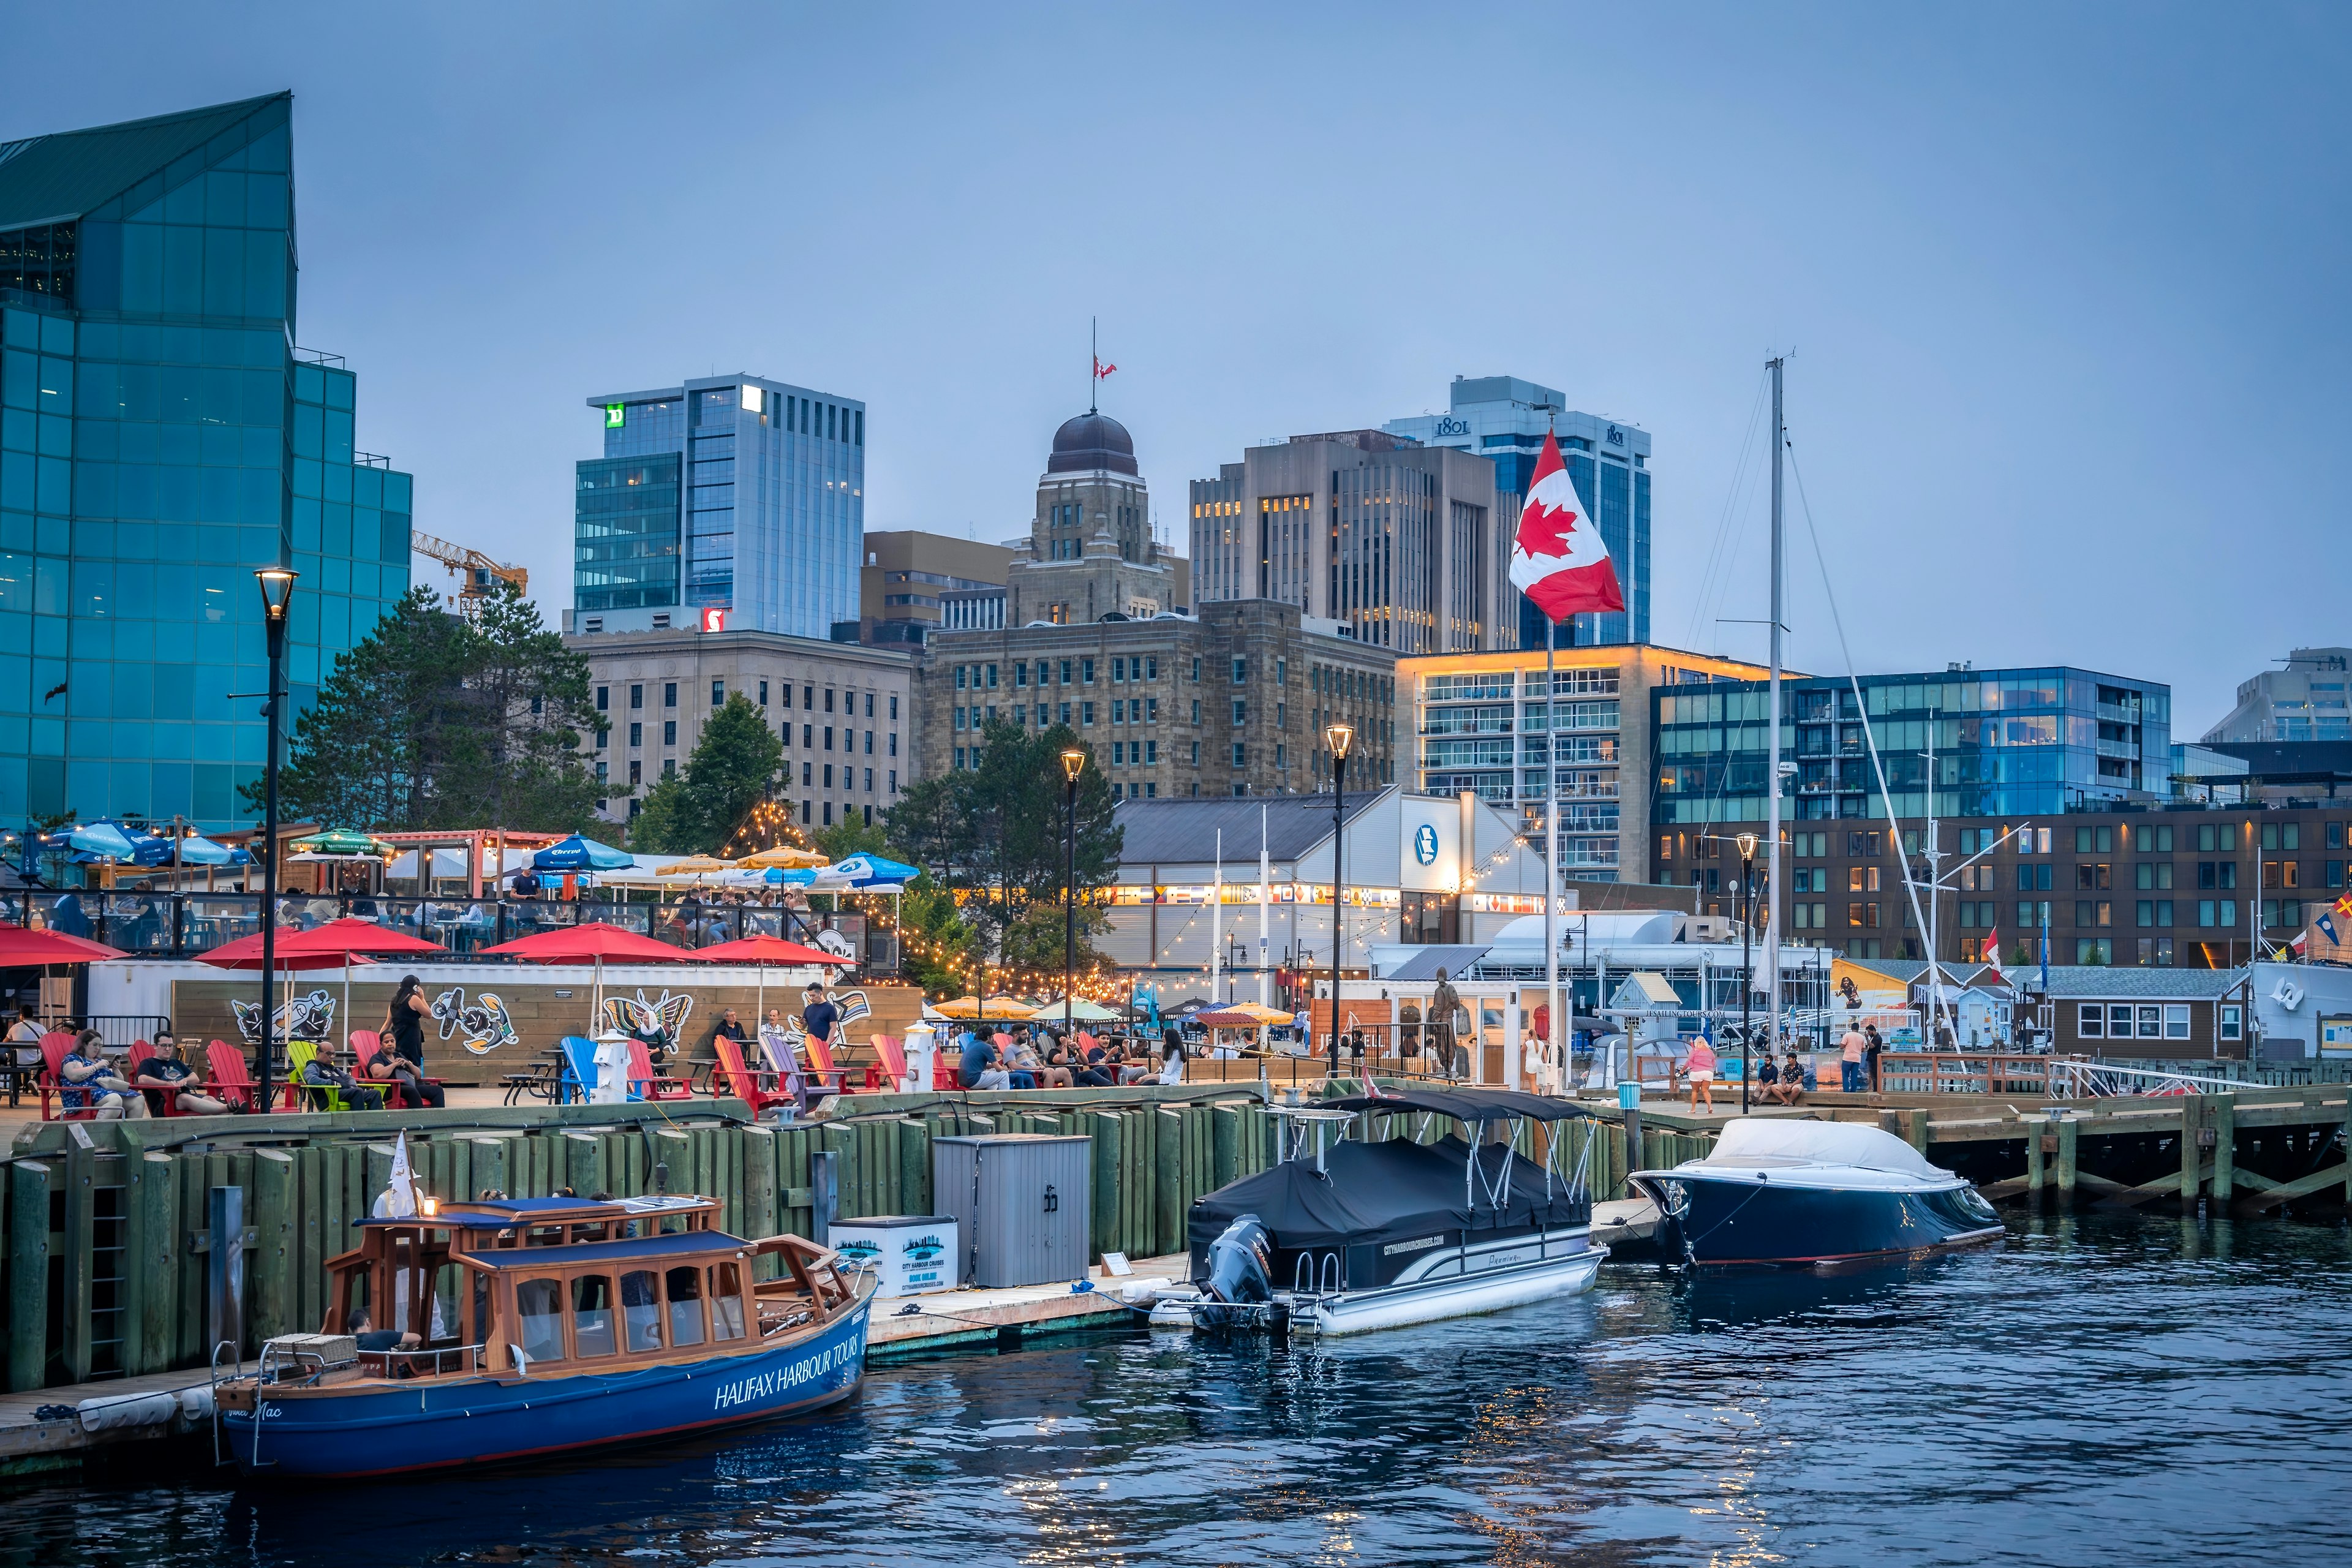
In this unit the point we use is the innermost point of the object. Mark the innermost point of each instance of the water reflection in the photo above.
(2102, 1388)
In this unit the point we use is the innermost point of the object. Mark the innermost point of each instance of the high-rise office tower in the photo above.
(161, 438)
(733, 494)
(1505, 418)
(1405, 544)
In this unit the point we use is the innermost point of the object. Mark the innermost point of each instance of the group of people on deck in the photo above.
(1017, 1057)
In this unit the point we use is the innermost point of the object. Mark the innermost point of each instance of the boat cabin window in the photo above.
(597, 1232)
(641, 1309)
(538, 1312)
(726, 1301)
(591, 1315)
(683, 1289)
(546, 1236)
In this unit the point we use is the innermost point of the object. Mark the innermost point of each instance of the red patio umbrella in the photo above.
(350, 936)
(591, 942)
(20, 946)
(245, 952)
(764, 950)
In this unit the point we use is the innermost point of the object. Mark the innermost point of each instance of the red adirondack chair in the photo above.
(54, 1047)
(232, 1082)
(139, 1054)
(647, 1084)
(821, 1066)
(893, 1068)
(734, 1078)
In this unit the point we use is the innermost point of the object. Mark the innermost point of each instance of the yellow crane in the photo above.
(477, 574)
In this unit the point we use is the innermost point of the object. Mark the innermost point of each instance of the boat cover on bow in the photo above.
(1391, 1190)
(1782, 1141)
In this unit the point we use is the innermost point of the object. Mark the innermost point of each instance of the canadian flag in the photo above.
(1102, 370)
(1993, 954)
(1558, 558)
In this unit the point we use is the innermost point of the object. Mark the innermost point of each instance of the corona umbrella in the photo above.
(782, 858)
(1004, 1008)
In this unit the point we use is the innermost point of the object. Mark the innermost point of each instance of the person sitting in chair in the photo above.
(168, 1081)
(321, 1073)
(90, 1082)
(375, 1340)
(386, 1065)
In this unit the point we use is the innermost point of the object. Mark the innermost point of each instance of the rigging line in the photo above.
(1861, 709)
(1741, 474)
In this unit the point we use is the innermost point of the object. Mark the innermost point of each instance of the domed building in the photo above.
(1090, 551)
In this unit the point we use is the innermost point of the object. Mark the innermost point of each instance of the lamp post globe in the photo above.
(1338, 738)
(277, 586)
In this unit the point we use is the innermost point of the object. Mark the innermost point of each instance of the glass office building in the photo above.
(1504, 419)
(160, 438)
(2004, 742)
(733, 494)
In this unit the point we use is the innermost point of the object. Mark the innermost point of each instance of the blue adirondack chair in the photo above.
(579, 1077)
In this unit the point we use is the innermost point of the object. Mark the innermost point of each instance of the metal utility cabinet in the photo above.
(1018, 1201)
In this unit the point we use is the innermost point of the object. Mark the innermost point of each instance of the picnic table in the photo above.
(543, 1081)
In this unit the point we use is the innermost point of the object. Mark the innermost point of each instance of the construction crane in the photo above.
(478, 575)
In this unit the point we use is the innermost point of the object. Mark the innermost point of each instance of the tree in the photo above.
(734, 766)
(434, 721)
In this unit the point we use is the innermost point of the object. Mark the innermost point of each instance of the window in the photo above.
(894, 696)
(669, 766)
(1118, 754)
(2152, 840)
(828, 695)
(1151, 668)
(1861, 879)
(808, 736)
(2093, 950)
(1279, 760)
(719, 694)
(1021, 675)
(538, 1312)
(1118, 671)
(828, 728)
(2233, 1021)
(2150, 1016)
(763, 702)
(683, 1294)
(1240, 716)
(1087, 713)
(2152, 874)
(1065, 672)
(2091, 1022)
(1085, 672)
(2176, 1021)
(637, 696)
(2091, 877)
(637, 734)
(636, 771)
(603, 694)
(1151, 752)
(992, 677)
(669, 693)
(1241, 671)
(641, 1310)
(592, 1316)
(1196, 669)
(1282, 672)
(808, 697)
(1118, 711)
(870, 742)
(1152, 710)
(2155, 912)
(669, 731)
(2217, 838)
(1241, 755)
(726, 1301)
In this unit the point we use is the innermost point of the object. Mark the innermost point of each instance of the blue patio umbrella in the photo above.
(105, 840)
(861, 870)
(159, 850)
(578, 854)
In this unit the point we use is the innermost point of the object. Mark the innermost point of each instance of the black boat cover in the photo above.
(1471, 1106)
(1388, 1190)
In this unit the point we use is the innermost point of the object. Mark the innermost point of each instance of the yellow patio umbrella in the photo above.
(1004, 1008)
(1257, 1014)
(782, 858)
(694, 865)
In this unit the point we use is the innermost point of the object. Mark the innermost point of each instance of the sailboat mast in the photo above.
(1772, 773)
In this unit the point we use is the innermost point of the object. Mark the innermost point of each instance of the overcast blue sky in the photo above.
(2065, 287)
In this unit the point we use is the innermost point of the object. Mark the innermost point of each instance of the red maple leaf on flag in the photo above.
(1545, 532)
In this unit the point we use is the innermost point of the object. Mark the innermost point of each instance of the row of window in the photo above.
(808, 700)
(2144, 1021)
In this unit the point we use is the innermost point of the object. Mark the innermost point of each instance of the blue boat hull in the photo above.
(432, 1422)
(1709, 1221)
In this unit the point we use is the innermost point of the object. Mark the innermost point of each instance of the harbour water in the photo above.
(2098, 1389)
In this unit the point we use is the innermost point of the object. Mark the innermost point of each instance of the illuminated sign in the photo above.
(613, 414)
(752, 399)
(714, 620)
(1425, 844)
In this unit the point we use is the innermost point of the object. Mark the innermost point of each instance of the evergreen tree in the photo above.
(733, 767)
(433, 721)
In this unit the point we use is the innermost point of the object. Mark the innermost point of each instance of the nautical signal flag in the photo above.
(1558, 558)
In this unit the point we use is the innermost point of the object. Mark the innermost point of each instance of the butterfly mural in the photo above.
(482, 1027)
(662, 1022)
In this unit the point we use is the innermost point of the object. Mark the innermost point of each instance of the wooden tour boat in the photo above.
(546, 1325)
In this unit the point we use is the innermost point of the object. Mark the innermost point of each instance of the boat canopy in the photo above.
(1788, 1141)
(1391, 1190)
(1469, 1105)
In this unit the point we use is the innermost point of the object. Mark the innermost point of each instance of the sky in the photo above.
(2061, 288)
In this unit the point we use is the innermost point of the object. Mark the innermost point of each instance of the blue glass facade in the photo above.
(160, 438)
(1503, 419)
(2006, 743)
(731, 493)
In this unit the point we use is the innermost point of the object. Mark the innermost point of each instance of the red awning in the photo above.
(20, 946)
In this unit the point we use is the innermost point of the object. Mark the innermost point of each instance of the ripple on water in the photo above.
(2100, 1389)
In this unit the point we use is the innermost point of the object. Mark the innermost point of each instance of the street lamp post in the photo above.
(277, 593)
(1746, 842)
(1073, 763)
(1337, 737)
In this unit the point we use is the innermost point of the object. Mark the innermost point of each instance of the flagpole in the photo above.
(1093, 362)
(1552, 1032)
(1772, 776)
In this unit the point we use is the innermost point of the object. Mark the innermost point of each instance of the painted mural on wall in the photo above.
(482, 1027)
(310, 1017)
(644, 1020)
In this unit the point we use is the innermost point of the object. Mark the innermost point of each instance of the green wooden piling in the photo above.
(77, 1239)
(155, 1257)
(1167, 1180)
(2069, 1146)
(30, 1183)
(2192, 1153)
(2222, 1111)
(2036, 1173)
(271, 1285)
(1226, 1143)
(915, 1167)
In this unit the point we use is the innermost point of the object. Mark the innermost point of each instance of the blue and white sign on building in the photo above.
(1424, 844)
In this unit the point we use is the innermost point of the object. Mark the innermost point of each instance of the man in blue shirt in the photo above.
(978, 1068)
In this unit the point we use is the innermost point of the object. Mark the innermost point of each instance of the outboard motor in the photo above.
(1241, 1282)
